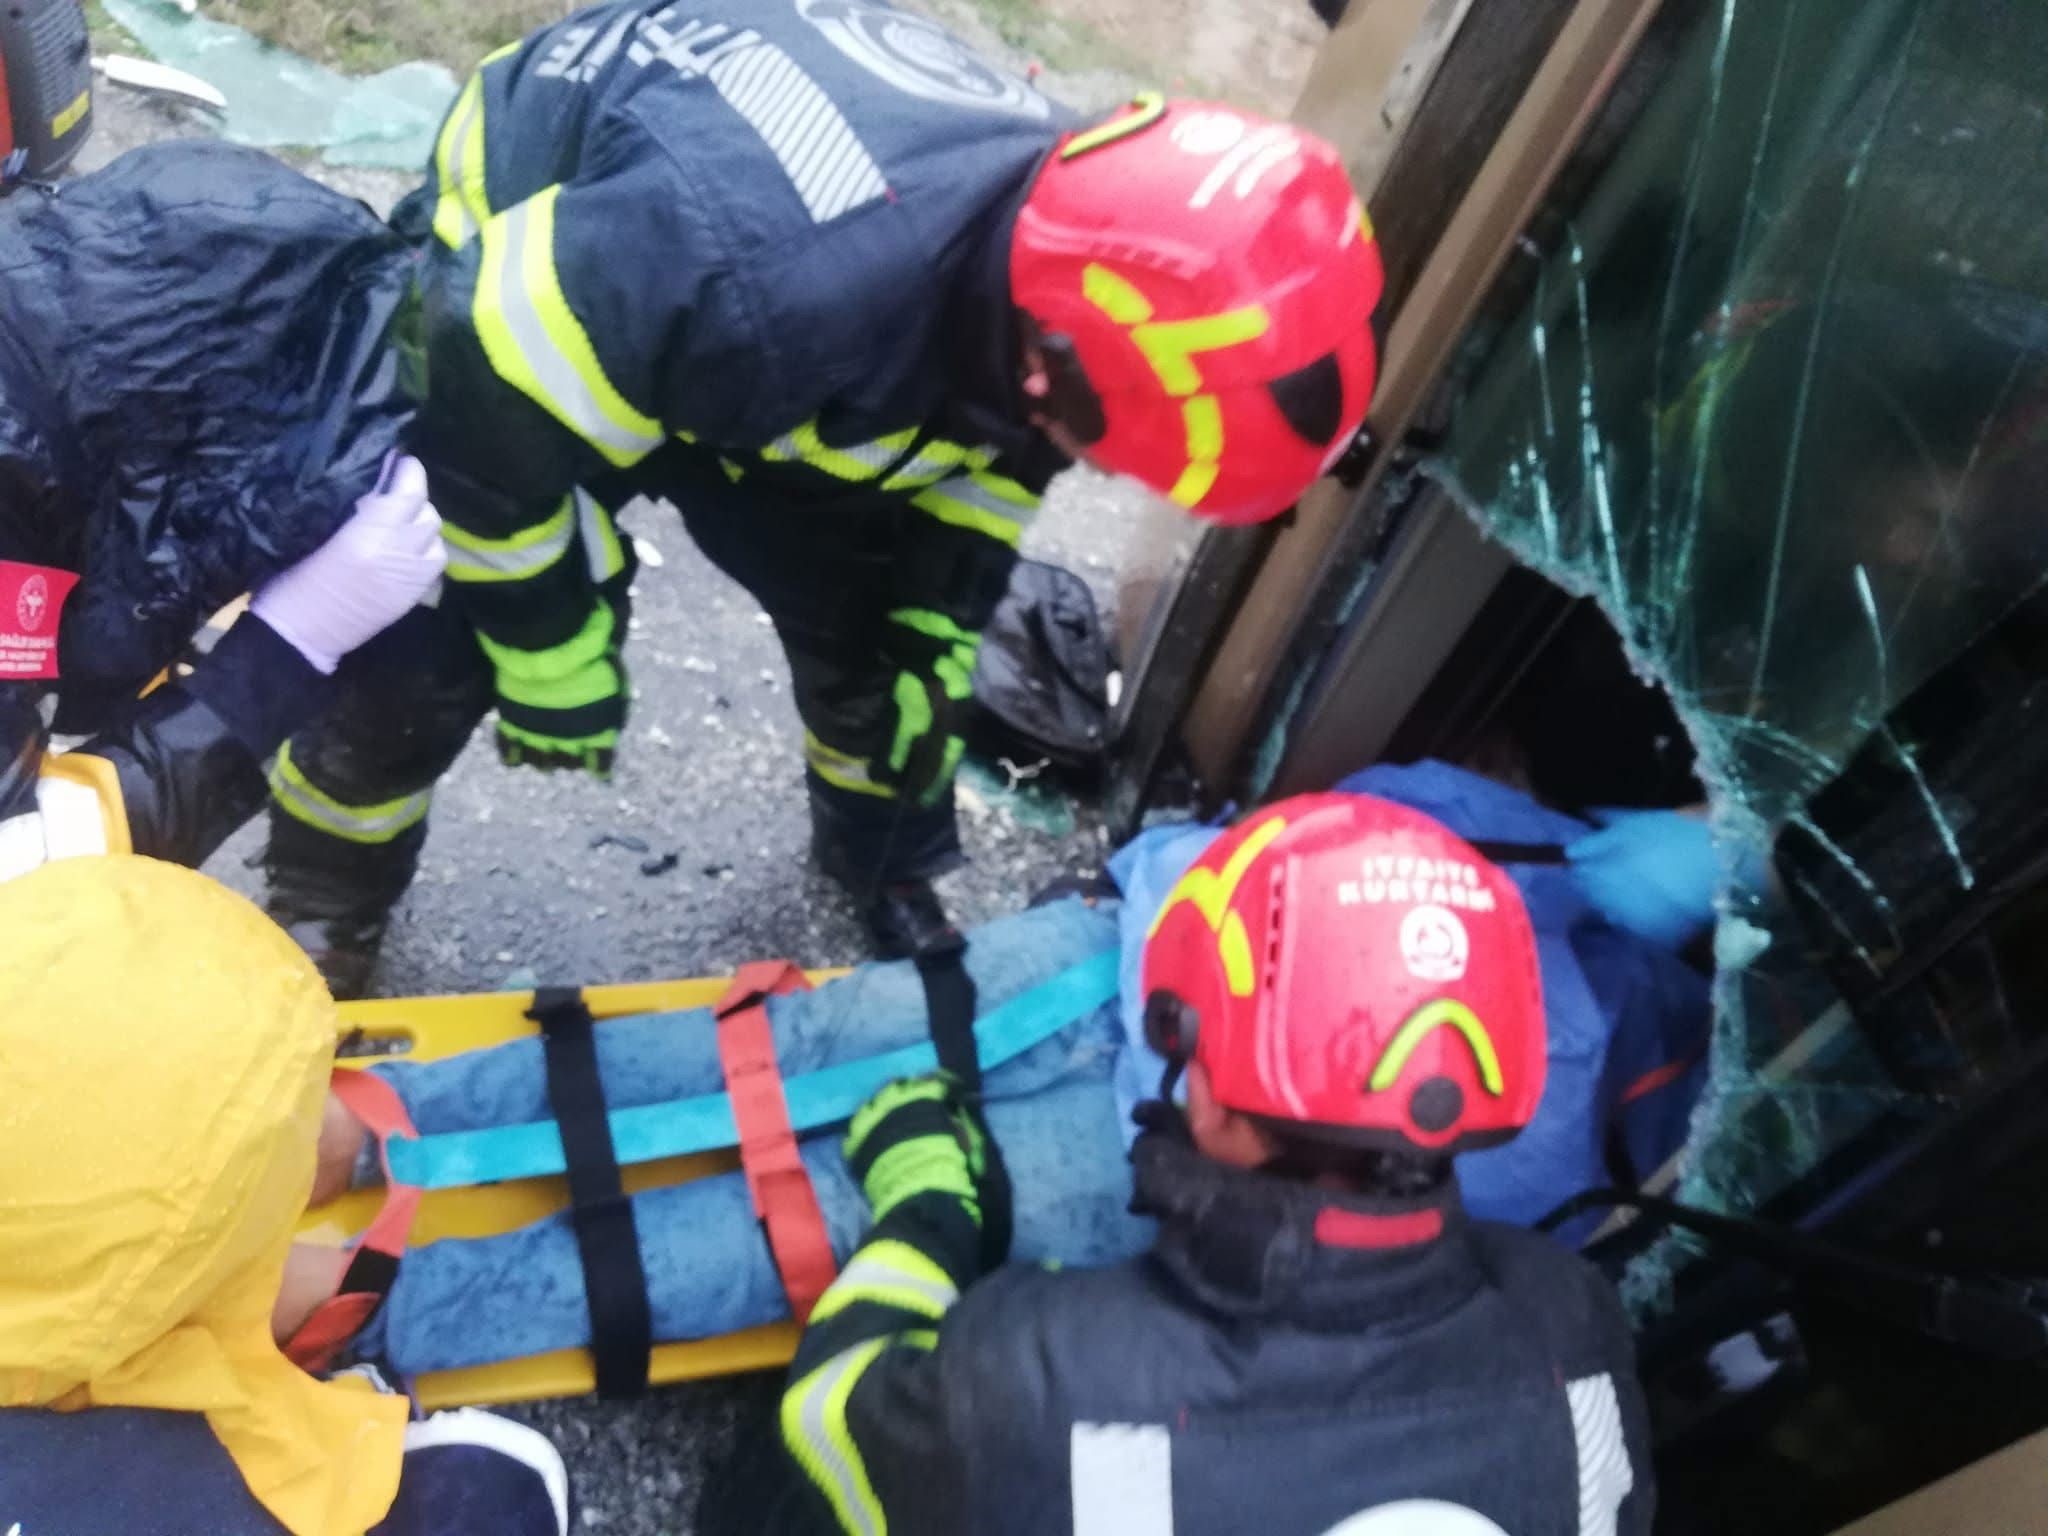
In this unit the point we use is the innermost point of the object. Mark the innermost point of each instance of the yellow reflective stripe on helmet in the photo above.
(1147, 107)
(601, 545)
(858, 461)
(535, 342)
(472, 558)
(1203, 417)
(1423, 1022)
(1117, 297)
(298, 798)
(459, 168)
(814, 1428)
(1194, 483)
(893, 1274)
(1211, 893)
(1170, 345)
(842, 770)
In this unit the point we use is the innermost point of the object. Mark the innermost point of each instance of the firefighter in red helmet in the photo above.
(848, 297)
(1320, 1343)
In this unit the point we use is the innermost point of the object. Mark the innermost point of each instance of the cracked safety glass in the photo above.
(1774, 390)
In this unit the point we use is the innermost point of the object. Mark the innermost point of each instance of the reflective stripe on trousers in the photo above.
(371, 824)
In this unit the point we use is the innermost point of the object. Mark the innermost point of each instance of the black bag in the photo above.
(1041, 691)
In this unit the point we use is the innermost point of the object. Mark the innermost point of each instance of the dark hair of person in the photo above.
(1356, 1169)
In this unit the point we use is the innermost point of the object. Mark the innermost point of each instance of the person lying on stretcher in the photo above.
(1053, 1044)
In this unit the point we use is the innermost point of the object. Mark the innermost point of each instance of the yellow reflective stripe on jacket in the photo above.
(814, 1428)
(519, 557)
(991, 505)
(936, 460)
(535, 342)
(928, 621)
(579, 671)
(459, 169)
(948, 766)
(842, 770)
(892, 1274)
(913, 717)
(79, 811)
(857, 461)
(298, 798)
(601, 545)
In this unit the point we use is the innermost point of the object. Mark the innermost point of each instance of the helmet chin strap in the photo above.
(1162, 1115)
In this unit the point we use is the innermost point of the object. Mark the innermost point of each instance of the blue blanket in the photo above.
(469, 1302)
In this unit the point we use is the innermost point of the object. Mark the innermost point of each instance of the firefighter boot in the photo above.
(334, 898)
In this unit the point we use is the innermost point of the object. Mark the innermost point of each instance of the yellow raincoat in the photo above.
(163, 1059)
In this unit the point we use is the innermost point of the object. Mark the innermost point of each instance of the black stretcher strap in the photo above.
(607, 1241)
(949, 1009)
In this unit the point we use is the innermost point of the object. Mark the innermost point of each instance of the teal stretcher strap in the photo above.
(704, 1123)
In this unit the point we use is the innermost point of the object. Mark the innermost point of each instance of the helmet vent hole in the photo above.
(1275, 924)
(1312, 399)
(1436, 1105)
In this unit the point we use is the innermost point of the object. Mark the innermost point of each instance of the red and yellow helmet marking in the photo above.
(1147, 107)
(1171, 347)
(1425, 1021)
(1212, 892)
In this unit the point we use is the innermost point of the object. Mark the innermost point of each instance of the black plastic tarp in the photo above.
(197, 380)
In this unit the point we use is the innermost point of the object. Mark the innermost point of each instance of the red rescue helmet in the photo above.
(1212, 275)
(1354, 969)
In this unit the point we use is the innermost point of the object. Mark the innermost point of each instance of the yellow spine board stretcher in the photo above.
(430, 1028)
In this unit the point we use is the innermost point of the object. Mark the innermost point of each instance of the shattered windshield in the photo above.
(1778, 398)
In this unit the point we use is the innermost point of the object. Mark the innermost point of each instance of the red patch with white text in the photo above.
(32, 601)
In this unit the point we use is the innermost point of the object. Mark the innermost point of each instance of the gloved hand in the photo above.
(931, 696)
(918, 1140)
(380, 563)
(1650, 873)
(565, 707)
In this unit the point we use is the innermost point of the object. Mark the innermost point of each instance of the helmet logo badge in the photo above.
(1208, 133)
(1434, 944)
(32, 603)
(919, 58)
(1247, 162)
(1417, 1517)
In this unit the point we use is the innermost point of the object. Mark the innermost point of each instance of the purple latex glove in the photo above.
(380, 563)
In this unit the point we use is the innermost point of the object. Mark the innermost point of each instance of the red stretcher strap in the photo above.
(783, 1198)
(336, 1321)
